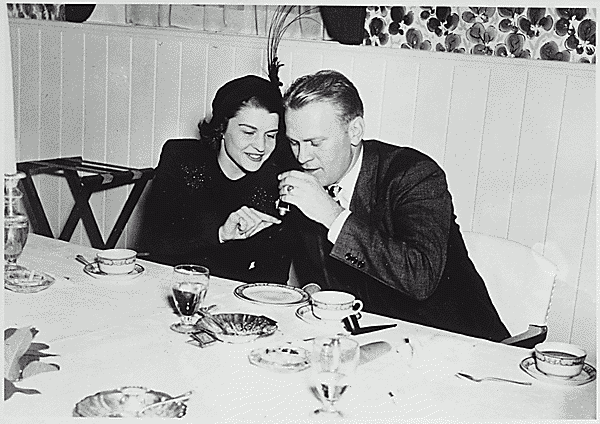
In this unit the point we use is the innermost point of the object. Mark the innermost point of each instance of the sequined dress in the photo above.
(191, 198)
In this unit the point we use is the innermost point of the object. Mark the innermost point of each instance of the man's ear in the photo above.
(356, 130)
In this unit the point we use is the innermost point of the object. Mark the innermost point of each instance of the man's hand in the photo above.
(305, 191)
(244, 223)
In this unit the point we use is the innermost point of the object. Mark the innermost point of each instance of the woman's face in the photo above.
(248, 141)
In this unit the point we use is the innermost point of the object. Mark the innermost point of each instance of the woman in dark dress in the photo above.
(212, 200)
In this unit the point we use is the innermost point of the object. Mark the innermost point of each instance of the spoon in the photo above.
(478, 380)
(83, 260)
(179, 398)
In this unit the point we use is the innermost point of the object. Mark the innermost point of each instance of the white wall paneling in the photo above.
(516, 137)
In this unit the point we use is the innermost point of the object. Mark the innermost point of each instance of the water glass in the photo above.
(190, 284)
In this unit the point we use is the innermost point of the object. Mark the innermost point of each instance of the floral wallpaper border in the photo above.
(561, 34)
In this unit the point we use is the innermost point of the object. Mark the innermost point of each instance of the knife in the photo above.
(370, 329)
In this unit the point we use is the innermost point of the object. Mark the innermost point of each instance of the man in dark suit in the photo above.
(377, 220)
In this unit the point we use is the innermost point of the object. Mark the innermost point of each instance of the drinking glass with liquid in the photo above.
(190, 284)
(333, 362)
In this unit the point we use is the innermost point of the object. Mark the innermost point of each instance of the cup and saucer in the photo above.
(559, 363)
(329, 308)
(115, 265)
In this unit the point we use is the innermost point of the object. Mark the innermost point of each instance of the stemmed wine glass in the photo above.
(334, 361)
(190, 284)
(16, 224)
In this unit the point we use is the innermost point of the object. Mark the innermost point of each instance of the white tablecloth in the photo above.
(110, 334)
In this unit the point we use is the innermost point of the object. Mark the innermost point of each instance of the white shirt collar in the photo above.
(348, 182)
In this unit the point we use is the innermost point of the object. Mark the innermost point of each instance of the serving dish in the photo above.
(127, 402)
(237, 327)
(271, 294)
(25, 281)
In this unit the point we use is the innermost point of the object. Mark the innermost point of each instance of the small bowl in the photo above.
(238, 327)
(559, 359)
(26, 281)
(116, 261)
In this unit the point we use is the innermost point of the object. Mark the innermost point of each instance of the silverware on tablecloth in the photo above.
(83, 260)
(180, 398)
(478, 380)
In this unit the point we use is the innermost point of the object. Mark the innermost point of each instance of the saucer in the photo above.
(94, 270)
(588, 373)
(305, 314)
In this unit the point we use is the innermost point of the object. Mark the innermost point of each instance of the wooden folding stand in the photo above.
(96, 177)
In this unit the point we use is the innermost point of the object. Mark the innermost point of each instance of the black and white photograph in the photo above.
(299, 213)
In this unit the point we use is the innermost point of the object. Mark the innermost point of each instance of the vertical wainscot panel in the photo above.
(464, 134)
(193, 87)
(536, 156)
(570, 197)
(369, 75)
(117, 125)
(94, 146)
(29, 94)
(71, 124)
(220, 69)
(499, 147)
(432, 108)
(584, 326)
(50, 116)
(168, 86)
(399, 100)
(141, 130)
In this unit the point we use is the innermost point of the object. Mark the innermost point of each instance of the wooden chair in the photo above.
(520, 282)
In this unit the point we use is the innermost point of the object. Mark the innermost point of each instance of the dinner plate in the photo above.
(305, 314)
(94, 270)
(281, 359)
(588, 373)
(271, 294)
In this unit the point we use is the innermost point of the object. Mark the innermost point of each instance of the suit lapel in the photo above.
(364, 193)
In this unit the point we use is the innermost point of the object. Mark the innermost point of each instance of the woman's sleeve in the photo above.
(180, 217)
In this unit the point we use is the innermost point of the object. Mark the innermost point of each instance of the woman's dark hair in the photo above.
(249, 90)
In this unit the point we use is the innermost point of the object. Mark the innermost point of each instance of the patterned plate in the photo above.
(271, 294)
(588, 373)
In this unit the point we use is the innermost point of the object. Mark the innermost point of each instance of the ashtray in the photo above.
(282, 358)
(126, 402)
(26, 281)
(237, 327)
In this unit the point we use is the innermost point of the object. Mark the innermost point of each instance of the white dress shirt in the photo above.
(347, 184)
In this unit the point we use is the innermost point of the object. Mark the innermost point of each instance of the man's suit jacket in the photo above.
(401, 251)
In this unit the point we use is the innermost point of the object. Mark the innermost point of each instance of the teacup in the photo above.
(559, 359)
(116, 261)
(334, 305)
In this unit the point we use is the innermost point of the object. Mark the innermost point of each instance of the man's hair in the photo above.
(325, 86)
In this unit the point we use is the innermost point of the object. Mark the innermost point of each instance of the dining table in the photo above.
(108, 333)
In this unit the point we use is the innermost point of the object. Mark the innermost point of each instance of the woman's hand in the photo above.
(244, 223)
